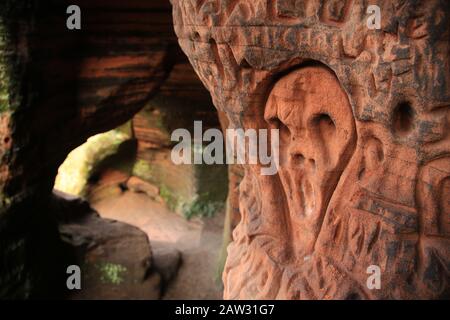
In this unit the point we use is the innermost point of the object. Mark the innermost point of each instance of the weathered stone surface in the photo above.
(365, 142)
(188, 189)
(232, 215)
(166, 262)
(115, 258)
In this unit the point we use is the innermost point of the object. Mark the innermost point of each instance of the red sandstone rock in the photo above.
(365, 142)
(386, 203)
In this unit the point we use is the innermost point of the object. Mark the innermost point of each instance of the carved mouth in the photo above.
(308, 195)
(301, 193)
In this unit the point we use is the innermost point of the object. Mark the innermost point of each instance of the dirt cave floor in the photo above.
(198, 240)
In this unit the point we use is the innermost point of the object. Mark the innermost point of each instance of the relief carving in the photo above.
(364, 119)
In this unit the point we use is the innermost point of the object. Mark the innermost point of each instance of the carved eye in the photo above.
(276, 123)
(324, 125)
(323, 118)
(324, 134)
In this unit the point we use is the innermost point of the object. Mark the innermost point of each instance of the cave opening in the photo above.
(127, 175)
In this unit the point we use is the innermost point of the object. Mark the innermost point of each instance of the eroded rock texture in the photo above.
(364, 142)
(189, 189)
(101, 248)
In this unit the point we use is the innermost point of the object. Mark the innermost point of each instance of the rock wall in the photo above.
(189, 189)
(364, 142)
(58, 87)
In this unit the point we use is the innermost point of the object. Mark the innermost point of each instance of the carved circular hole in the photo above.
(6, 140)
(297, 159)
(403, 118)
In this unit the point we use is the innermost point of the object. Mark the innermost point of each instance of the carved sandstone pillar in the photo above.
(364, 120)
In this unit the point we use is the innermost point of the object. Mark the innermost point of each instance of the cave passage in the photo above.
(127, 175)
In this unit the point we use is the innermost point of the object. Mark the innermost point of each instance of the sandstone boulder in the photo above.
(115, 258)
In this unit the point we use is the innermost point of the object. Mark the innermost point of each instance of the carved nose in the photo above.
(296, 154)
(301, 152)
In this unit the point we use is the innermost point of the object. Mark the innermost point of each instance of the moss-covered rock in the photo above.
(84, 162)
(191, 190)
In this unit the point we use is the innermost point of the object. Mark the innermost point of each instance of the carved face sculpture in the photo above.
(317, 137)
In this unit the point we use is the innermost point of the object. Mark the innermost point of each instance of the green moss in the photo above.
(82, 162)
(213, 182)
(211, 193)
(190, 190)
(171, 200)
(143, 170)
(5, 201)
(202, 206)
(112, 272)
